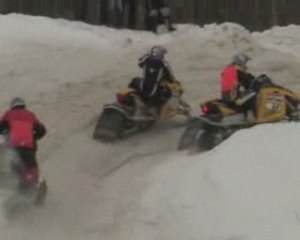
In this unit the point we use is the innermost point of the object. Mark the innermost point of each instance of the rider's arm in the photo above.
(245, 79)
(39, 130)
(169, 76)
(142, 60)
(3, 125)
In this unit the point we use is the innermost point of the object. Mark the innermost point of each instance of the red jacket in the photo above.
(229, 79)
(23, 127)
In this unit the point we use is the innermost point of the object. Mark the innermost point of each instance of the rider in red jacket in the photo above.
(235, 76)
(23, 129)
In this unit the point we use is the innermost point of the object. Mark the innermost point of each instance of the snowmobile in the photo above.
(27, 189)
(219, 120)
(124, 116)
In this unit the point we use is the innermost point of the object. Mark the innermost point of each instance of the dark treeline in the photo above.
(254, 14)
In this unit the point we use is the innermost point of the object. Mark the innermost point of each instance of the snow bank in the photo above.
(247, 188)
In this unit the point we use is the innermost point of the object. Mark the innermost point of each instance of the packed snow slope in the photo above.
(141, 188)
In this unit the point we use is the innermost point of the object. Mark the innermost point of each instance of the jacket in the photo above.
(22, 127)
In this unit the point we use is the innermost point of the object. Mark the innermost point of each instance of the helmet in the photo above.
(240, 59)
(17, 102)
(158, 51)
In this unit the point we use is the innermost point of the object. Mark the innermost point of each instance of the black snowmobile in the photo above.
(219, 120)
(122, 118)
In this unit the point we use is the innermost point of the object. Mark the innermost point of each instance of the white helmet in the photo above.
(158, 51)
(17, 102)
(240, 59)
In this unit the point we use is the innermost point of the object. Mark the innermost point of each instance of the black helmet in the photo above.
(158, 51)
(17, 102)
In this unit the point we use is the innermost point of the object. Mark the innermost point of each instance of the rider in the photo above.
(156, 72)
(236, 81)
(23, 130)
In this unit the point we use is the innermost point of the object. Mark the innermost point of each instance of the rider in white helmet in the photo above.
(234, 76)
(156, 71)
(236, 83)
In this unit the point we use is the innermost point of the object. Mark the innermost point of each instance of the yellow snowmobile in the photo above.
(129, 114)
(219, 120)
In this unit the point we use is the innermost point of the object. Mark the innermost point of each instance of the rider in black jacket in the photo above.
(156, 72)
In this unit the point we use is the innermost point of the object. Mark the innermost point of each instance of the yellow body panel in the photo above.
(271, 105)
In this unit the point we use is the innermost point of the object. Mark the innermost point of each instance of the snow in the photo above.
(142, 188)
(247, 188)
(285, 39)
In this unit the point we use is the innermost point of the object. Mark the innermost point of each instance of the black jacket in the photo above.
(154, 71)
(245, 79)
